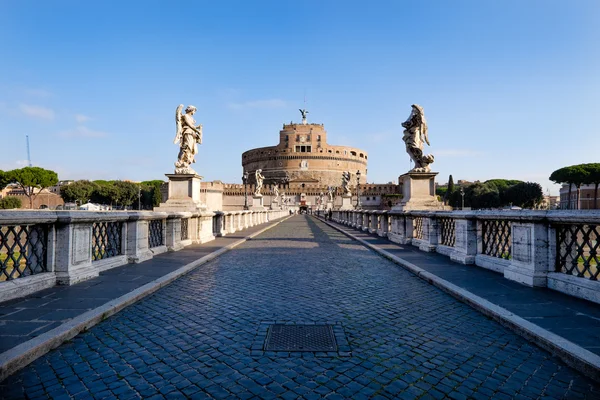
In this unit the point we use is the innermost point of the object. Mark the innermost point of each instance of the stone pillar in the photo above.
(73, 262)
(257, 203)
(184, 194)
(465, 242)
(430, 233)
(384, 224)
(347, 203)
(173, 232)
(373, 222)
(529, 263)
(205, 228)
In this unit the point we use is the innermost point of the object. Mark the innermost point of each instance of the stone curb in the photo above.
(571, 354)
(23, 354)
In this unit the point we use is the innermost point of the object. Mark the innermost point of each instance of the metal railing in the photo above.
(447, 228)
(155, 233)
(185, 233)
(496, 238)
(106, 240)
(23, 250)
(577, 250)
(418, 227)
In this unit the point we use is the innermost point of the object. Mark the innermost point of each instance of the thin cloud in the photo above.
(458, 153)
(37, 111)
(81, 118)
(38, 93)
(258, 104)
(82, 132)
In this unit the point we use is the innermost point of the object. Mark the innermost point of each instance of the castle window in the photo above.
(362, 155)
(353, 153)
(309, 149)
(329, 151)
(318, 138)
(287, 138)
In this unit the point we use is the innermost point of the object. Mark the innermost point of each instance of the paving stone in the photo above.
(194, 337)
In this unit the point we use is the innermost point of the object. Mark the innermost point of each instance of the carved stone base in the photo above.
(275, 205)
(347, 203)
(418, 189)
(184, 194)
(257, 203)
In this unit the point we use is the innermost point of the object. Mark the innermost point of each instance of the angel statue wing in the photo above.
(424, 130)
(178, 123)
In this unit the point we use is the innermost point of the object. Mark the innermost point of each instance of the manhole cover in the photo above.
(300, 338)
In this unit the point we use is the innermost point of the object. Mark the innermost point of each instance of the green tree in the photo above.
(78, 191)
(450, 184)
(33, 180)
(127, 192)
(4, 179)
(151, 195)
(572, 175)
(105, 193)
(10, 202)
(593, 177)
(525, 194)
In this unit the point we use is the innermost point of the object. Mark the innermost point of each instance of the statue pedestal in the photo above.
(257, 203)
(275, 205)
(184, 194)
(347, 202)
(329, 205)
(418, 189)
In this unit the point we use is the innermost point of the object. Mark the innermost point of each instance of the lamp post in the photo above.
(140, 197)
(462, 194)
(245, 180)
(358, 189)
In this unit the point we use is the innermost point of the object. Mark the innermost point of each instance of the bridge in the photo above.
(296, 307)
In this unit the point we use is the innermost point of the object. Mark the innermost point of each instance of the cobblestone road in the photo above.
(202, 336)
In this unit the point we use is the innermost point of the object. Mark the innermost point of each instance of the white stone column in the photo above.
(529, 250)
(173, 232)
(465, 242)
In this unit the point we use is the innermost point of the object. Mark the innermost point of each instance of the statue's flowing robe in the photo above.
(189, 143)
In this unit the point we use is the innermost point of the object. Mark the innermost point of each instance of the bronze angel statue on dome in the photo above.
(415, 137)
(188, 135)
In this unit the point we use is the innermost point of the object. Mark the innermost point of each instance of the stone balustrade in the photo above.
(39, 249)
(556, 249)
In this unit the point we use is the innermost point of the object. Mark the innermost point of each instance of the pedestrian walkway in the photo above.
(30, 317)
(203, 335)
(573, 319)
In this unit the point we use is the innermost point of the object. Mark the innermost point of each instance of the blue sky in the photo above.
(510, 88)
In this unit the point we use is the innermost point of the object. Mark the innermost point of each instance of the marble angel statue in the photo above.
(188, 136)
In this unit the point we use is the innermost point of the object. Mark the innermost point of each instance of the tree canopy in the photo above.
(114, 193)
(578, 175)
(10, 202)
(32, 178)
(497, 193)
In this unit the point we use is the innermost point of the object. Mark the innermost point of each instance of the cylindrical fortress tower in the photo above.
(303, 154)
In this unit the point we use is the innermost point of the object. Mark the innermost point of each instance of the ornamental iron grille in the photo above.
(418, 227)
(184, 229)
(106, 240)
(496, 238)
(447, 231)
(155, 233)
(577, 250)
(23, 250)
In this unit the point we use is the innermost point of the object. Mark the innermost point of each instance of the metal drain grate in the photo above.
(300, 338)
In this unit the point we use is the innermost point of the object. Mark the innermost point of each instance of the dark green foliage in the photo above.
(498, 193)
(10, 202)
(78, 191)
(450, 185)
(578, 175)
(524, 194)
(4, 180)
(115, 193)
(32, 180)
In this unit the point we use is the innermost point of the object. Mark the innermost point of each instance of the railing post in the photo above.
(137, 248)
(373, 221)
(383, 227)
(173, 232)
(430, 233)
(465, 240)
(74, 253)
(529, 254)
